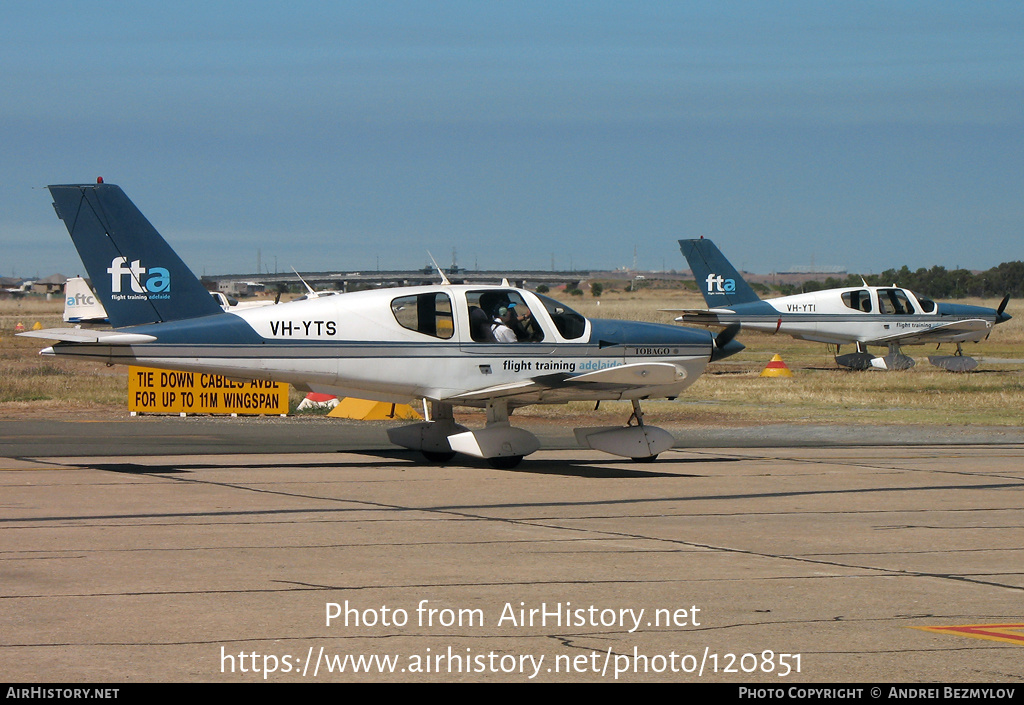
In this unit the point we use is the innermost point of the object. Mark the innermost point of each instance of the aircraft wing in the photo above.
(639, 374)
(89, 335)
(560, 386)
(968, 329)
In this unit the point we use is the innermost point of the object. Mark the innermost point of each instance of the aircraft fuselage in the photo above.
(867, 314)
(417, 342)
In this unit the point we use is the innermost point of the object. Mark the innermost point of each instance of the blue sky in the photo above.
(355, 135)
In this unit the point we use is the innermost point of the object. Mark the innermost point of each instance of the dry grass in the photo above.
(730, 392)
(30, 383)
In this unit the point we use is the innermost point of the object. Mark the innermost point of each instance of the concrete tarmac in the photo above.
(775, 565)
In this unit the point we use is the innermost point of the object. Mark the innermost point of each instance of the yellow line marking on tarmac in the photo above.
(1009, 633)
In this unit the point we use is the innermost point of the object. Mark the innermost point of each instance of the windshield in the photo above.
(570, 324)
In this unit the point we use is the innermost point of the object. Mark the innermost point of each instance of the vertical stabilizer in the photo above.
(719, 282)
(81, 304)
(137, 276)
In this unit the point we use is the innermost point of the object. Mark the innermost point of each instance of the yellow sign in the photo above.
(168, 392)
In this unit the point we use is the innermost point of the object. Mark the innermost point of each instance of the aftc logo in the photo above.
(719, 285)
(158, 281)
(81, 299)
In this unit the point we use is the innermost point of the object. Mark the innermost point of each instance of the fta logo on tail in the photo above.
(717, 284)
(158, 280)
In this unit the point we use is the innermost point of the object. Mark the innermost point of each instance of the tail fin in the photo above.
(137, 276)
(718, 280)
(81, 304)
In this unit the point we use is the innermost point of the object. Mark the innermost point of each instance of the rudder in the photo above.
(135, 273)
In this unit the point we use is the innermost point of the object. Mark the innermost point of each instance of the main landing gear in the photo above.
(641, 442)
(958, 362)
(430, 437)
(863, 360)
(502, 445)
(896, 360)
(439, 438)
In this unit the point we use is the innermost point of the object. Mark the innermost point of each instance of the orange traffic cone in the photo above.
(776, 368)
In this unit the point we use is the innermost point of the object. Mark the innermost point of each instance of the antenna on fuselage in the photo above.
(444, 279)
(311, 292)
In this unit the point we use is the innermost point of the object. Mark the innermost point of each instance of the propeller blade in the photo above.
(723, 338)
(1002, 305)
(724, 343)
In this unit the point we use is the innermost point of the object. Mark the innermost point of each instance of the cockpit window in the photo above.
(894, 301)
(430, 314)
(927, 305)
(859, 300)
(485, 308)
(570, 324)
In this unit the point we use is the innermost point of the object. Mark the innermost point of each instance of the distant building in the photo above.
(53, 284)
(241, 288)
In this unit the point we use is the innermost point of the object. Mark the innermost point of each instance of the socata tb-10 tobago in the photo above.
(862, 315)
(430, 343)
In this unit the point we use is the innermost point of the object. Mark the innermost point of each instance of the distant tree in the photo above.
(596, 288)
(937, 282)
(542, 289)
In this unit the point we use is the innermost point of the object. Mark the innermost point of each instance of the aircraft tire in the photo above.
(645, 458)
(505, 462)
(438, 456)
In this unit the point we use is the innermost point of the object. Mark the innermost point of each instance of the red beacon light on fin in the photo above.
(99, 179)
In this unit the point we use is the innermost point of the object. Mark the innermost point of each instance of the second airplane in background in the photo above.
(861, 315)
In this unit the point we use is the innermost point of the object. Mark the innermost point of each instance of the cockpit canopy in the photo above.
(433, 313)
(890, 301)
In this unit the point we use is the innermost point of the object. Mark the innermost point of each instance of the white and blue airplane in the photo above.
(865, 315)
(402, 345)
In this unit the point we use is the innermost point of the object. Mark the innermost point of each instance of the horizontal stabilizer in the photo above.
(90, 335)
(697, 311)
